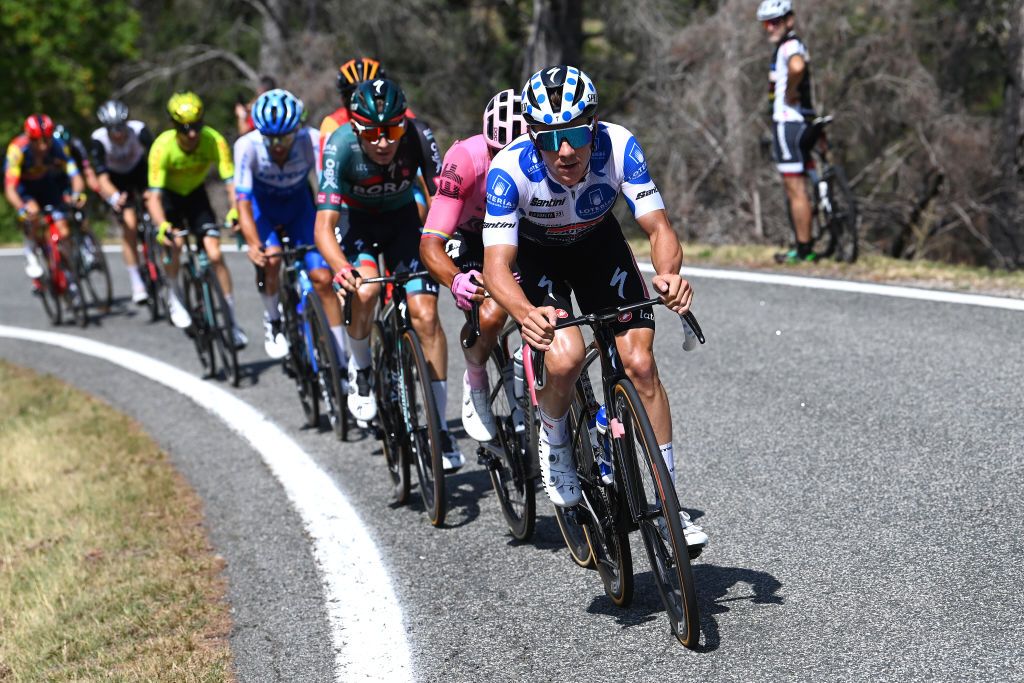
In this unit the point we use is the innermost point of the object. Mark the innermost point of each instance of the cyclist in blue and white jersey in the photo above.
(272, 171)
(550, 195)
(789, 93)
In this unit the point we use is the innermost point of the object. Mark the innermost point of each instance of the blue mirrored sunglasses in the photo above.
(551, 140)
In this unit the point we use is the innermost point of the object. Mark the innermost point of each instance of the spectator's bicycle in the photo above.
(640, 496)
(833, 206)
(58, 287)
(212, 323)
(409, 424)
(312, 359)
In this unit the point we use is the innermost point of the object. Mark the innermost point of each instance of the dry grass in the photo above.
(869, 268)
(105, 569)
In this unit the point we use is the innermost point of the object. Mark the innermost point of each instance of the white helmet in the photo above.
(503, 119)
(773, 9)
(559, 94)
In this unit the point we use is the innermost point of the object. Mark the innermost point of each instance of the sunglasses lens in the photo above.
(551, 140)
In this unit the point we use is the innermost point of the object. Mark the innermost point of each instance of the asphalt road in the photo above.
(857, 462)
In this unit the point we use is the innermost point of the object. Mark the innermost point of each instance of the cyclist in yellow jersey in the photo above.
(179, 161)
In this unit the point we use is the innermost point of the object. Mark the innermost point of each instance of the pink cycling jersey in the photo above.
(461, 197)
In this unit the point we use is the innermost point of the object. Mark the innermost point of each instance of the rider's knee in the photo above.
(641, 369)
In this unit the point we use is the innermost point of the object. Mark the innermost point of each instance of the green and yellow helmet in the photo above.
(185, 108)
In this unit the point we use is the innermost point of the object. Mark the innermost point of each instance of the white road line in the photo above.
(365, 618)
(847, 286)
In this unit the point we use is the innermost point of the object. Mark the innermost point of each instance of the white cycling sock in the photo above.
(341, 339)
(360, 350)
(440, 388)
(669, 457)
(554, 430)
(133, 275)
(270, 304)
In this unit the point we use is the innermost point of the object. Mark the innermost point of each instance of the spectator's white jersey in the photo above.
(523, 200)
(257, 174)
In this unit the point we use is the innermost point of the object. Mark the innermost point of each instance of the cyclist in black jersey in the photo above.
(790, 97)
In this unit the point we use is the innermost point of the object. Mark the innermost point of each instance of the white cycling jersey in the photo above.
(111, 158)
(256, 174)
(523, 200)
(778, 77)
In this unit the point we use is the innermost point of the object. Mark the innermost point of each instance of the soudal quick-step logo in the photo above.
(502, 194)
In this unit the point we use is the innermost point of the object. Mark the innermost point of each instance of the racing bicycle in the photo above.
(58, 287)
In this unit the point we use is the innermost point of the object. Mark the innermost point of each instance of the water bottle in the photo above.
(518, 374)
(602, 446)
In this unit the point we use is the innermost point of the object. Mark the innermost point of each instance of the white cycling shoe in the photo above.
(696, 537)
(33, 268)
(274, 342)
(558, 474)
(239, 337)
(477, 418)
(361, 402)
(180, 317)
(140, 295)
(451, 455)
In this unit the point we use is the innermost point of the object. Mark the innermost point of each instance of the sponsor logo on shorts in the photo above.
(625, 317)
(561, 313)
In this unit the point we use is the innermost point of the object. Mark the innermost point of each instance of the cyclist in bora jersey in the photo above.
(119, 149)
(457, 211)
(549, 202)
(179, 161)
(272, 168)
(789, 93)
(37, 172)
(371, 166)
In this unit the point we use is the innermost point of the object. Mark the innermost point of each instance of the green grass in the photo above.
(105, 569)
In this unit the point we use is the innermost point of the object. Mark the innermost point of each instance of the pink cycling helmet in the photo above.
(503, 119)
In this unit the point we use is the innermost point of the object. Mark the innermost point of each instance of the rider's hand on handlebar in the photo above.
(466, 288)
(161, 234)
(538, 327)
(257, 255)
(231, 220)
(675, 291)
(347, 278)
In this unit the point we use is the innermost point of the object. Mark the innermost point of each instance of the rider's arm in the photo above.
(501, 240)
(12, 176)
(244, 160)
(157, 182)
(329, 199)
(797, 67)
(445, 211)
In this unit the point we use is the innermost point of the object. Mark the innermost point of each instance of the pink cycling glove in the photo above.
(463, 289)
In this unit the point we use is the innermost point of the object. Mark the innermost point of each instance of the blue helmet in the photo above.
(277, 112)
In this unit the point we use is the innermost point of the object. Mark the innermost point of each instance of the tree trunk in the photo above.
(556, 35)
(273, 46)
(1007, 233)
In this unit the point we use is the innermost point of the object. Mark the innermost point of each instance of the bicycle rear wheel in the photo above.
(298, 362)
(94, 273)
(511, 472)
(222, 325)
(326, 366)
(843, 217)
(658, 509)
(190, 292)
(425, 437)
(602, 513)
(386, 387)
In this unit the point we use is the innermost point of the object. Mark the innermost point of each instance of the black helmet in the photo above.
(112, 113)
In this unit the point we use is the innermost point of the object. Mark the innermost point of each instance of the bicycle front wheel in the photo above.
(222, 326)
(326, 365)
(657, 507)
(517, 444)
(386, 386)
(202, 337)
(298, 362)
(425, 427)
(47, 288)
(74, 297)
(94, 272)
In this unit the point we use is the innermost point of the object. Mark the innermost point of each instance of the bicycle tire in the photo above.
(392, 430)
(425, 437)
(328, 372)
(515, 489)
(74, 295)
(190, 293)
(152, 275)
(297, 362)
(94, 273)
(47, 287)
(654, 494)
(222, 325)
(843, 216)
(604, 518)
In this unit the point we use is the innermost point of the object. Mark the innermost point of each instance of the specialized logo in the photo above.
(619, 280)
(596, 201)
(634, 166)
(546, 283)
(536, 201)
(502, 193)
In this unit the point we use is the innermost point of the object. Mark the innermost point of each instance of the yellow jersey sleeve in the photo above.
(14, 158)
(225, 164)
(158, 160)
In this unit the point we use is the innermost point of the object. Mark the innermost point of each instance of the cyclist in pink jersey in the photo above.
(451, 246)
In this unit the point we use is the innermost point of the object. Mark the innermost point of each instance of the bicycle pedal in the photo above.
(485, 458)
(576, 515)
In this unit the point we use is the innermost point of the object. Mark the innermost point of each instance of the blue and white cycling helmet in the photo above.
(559, 94)
(277, 112)
(773, 9)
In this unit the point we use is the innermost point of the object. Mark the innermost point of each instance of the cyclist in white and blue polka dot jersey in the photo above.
(550, 195)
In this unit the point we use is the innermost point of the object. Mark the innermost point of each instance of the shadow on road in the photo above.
(713, 584)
